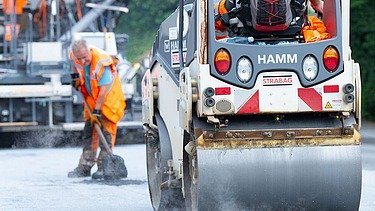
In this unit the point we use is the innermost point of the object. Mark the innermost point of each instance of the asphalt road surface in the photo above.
(35, 179)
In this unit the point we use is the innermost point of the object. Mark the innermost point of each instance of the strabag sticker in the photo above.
(175, 60)
(282, 80)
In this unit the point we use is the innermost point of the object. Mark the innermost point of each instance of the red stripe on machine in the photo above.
(311, 97)
(251, 106)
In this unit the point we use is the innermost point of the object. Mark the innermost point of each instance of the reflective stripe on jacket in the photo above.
(114, 104)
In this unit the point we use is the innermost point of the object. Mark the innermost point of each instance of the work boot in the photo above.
(99, 174)
(80, 171)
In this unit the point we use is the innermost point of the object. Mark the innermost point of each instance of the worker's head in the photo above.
(81, 52)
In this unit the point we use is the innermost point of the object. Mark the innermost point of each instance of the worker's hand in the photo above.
(96, 118)
(76, 82)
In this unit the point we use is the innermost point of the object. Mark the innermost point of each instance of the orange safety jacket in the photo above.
(114, 105)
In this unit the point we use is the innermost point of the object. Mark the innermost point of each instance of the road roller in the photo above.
(253, 105)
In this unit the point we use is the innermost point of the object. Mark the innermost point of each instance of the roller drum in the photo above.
(293, 178)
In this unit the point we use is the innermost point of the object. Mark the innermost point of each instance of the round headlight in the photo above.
(310, 67)
(244, 69)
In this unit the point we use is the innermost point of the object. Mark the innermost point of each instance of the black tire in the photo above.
(157, 155)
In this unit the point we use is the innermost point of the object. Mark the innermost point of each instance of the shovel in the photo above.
(113, 165)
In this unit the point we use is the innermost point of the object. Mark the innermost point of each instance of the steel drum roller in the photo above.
(292, 178)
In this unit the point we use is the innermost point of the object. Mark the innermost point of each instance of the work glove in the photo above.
(96, 118)
(76, 82)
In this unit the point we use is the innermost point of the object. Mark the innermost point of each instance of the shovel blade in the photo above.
(114, 167)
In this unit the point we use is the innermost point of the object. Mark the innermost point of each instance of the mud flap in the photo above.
(114, 167)
(185, 101)
(293, 178)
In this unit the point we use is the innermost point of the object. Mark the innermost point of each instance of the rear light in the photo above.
(222, 61)
(310, 67)
(331, 88)
(222, 91)
(331, 59)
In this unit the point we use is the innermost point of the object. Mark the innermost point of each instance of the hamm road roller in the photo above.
(253, 105)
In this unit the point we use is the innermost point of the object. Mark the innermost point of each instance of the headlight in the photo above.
(244, 69)
(310, 67)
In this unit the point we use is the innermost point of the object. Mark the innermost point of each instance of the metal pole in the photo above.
(180, 33)
(33, 110)
(113, 8)
(10, 109)
(51, 20)
(50, 113)
(58, 30)
(29, 43)
(13, 26)
(30, 28)
(69, 112)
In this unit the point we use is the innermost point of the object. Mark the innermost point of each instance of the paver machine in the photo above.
(256, 119)
(35, 39)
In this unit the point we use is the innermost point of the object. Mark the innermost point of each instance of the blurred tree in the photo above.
(142, 23)
(363, 48)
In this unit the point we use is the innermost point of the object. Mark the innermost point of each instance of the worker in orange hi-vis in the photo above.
(96, 78)
(8, 6)
(12, 7)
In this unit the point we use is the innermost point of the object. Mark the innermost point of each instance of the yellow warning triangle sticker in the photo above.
(328, 105)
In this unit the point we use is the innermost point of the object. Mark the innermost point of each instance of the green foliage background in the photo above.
(144, 18)
(363, 50)
(142, 23)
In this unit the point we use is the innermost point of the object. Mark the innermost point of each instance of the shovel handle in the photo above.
(98, 129)
(102, 138)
